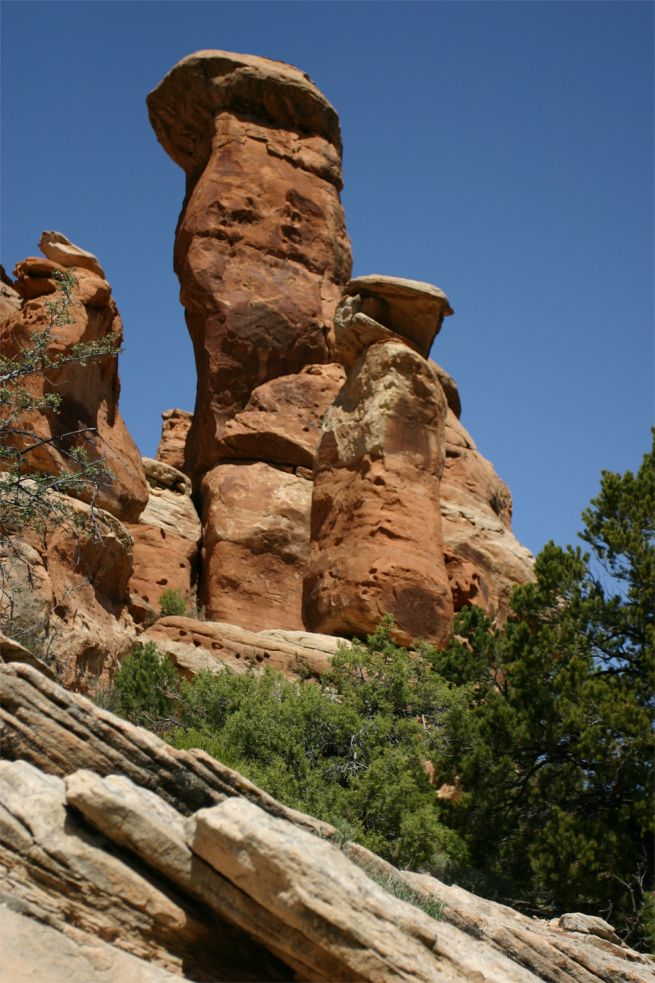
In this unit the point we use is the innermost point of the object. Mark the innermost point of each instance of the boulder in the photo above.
(174, 432)
(410, 308)
(67, 592)
(87, 416)
(376, 540)
(261, 249)
(255, 544)
(281, 424)
(60, 249)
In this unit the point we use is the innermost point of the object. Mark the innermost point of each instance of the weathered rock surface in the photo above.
(89, 393)
(69, 589)
(166, 538)
(174, 432)
(255, 544)
(32, 950)
(60, 249)
(261, 248)
(376, 541)
(410, 308)
(281, 423)
(194, 646)
(10, 299)
(113, 839)
(484, 559)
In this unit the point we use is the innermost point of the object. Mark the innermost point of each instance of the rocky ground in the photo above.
(124, 859)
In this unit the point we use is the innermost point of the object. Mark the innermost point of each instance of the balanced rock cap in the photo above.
(411, 308)
(182, 108)
(58, 248)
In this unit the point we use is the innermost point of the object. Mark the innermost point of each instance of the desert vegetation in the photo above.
(517, 761)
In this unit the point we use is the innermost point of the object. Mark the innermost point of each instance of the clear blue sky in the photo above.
(503, 151)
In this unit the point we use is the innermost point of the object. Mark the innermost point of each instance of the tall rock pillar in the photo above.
(262, 255)
(261, 249)
(376, 539)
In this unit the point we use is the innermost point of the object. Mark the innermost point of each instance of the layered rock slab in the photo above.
(376, 541)
(199, 646)
(275, 900)
(261, 248)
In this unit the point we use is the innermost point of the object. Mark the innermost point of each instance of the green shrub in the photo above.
(172, 604)
(144, 689)
(545, 724)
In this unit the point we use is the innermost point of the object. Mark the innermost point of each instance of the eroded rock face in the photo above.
(199, 646)
(281, 423)
(484, 559)
(174, 432)
(261, 249)
(69, 590)
(255, 544)
(150, 861)
(166, 539)
(89, 404)
(376, 541)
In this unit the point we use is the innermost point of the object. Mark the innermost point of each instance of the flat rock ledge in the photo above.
(123, 859)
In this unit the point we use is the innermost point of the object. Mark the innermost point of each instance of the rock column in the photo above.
(262, 255)
(376, 539)
(261, 249)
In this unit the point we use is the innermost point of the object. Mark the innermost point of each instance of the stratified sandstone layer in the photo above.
(89, 393)
(210, 646)
(145, 861)
(261, 249)
(376, 540)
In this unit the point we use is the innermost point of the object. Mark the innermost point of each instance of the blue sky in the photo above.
(503, 151)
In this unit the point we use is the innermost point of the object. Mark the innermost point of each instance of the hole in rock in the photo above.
(162, 582)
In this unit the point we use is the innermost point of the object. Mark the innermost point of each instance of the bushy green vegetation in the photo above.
(545, 724)
(172, 603)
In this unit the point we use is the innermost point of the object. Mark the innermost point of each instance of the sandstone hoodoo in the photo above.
(89, 393)
(376, 541)
(261, 249)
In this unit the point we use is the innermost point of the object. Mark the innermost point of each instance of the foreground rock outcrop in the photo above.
(136, 861)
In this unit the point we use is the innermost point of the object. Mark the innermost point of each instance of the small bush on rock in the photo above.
(172, 604)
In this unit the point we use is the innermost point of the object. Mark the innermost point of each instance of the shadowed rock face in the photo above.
(261, 249)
